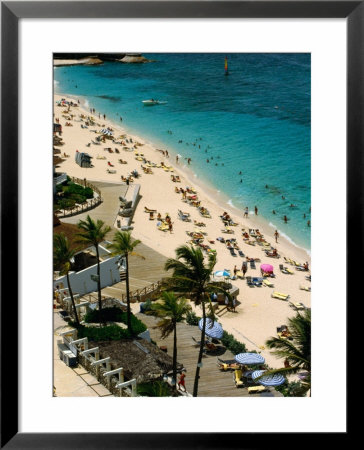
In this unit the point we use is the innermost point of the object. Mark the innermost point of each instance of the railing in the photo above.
(83, 207)
(139, 294)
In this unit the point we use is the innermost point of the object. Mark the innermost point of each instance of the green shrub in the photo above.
(108, 333)
(115, 314)
(232, 344)
(154, 389)
(88, 192)
(191, 318)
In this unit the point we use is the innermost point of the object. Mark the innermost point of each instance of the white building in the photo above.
(83, 276)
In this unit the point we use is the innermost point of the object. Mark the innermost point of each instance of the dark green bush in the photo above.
(108, 333)
(232, 344)
(191, 318)
(89, 193)
(115, 314)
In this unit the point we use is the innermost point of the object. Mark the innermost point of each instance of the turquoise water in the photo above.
(257, 120)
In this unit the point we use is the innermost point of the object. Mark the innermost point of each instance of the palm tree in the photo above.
(193, 277)
(62, 255)
(93, 233)
(296, 352)
(123, 245)
(171, 311)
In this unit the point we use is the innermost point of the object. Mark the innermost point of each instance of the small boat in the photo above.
(152, 102)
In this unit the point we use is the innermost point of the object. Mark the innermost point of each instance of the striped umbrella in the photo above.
(249, 358)
(212, 329)
(270, 380)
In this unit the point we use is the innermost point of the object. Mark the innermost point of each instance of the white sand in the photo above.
(257, 314)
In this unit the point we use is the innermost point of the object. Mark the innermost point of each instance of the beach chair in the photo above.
(280, 295)
(240, 274)
(305, 288)
(237, 378)
(252, 264)
(249, 282)
(230, 364)
(232, 252)
(111, 171)
(297, 306)
(257, 389)
(267, 283)
(283, 269)
(257, 281)
(241, 253)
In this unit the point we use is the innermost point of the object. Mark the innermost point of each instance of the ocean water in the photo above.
(256, 121)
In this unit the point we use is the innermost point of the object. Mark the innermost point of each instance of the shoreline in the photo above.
(257, 314)
(223, 200)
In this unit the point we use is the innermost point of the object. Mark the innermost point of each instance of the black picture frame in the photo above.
(11, 13)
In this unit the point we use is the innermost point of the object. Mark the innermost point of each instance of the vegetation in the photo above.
(295, 352)
(192, 318)
(154, 389)
(62, 255)
(123, 245)
(69, 193)
(191, 276)
(109, 332)
(94, 233)
(232, 344)
(171, 310)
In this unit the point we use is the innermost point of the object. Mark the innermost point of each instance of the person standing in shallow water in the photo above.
(246, 212)
(256, 210)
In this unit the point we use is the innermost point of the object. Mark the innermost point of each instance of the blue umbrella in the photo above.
(270, 380)
(249, 358)
(212, 329)
(222, 273)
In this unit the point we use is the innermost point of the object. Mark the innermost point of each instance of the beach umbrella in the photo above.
(222, 273)
(212, 329)
(270, 380)
(249, 358)
(267, 268)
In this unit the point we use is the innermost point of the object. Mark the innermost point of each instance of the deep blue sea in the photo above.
(256, 121)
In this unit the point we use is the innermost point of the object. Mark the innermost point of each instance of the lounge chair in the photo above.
(241, 253)
(284, 269)
(252, 264)
(280, 295)
(255, 389)
(267, 283)
(257, 281)
(232, 252)
(230, 364)
(249, 282)
(237, 378)
(239, 274)
(111, 171)
(305, 288)
(297, 306)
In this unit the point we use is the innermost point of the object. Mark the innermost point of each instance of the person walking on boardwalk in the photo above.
(181, 382)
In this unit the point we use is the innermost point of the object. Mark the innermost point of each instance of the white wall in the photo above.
(81, 282)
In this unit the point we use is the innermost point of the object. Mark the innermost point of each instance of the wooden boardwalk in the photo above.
(213, 382)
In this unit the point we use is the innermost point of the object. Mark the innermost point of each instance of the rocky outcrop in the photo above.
(89, 61)
(134, 59)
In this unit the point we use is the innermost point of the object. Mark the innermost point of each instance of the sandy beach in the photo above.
(257, 314)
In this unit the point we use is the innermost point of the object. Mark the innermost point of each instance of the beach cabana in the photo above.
(249, 359)
(212, 329)
(270, 380)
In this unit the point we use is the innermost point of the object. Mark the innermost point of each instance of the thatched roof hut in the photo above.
(139, 358)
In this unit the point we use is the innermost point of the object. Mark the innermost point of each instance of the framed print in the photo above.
(188, 138)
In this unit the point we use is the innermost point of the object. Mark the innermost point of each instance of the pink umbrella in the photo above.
(267, 268)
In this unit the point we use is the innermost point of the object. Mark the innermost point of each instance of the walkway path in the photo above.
(72, 382)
